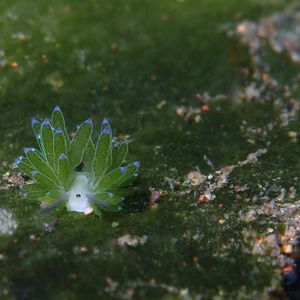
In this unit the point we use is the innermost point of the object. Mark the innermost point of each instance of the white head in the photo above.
(77, 197)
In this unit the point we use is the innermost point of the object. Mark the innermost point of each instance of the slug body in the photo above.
(76, 172)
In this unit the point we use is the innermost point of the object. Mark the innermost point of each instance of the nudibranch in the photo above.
(75, 172)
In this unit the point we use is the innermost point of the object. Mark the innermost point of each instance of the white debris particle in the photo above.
(7, 222)
(220, 178)
(114, 224)
(252, 158)
(132, 240)
(195, 178)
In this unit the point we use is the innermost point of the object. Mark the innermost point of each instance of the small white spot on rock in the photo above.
(132, 240)
(7, 222)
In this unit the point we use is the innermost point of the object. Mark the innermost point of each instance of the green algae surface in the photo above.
(136, 62)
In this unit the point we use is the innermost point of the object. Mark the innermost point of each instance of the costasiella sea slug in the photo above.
(73, 171)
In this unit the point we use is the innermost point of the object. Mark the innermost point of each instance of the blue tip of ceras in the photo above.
(88, 121)
(19, 159)
(110, 195)
(57, 108)
(34, 121)
(27, 150)
(34, 173)
(46, 122)
(105, 121)
(106, 131)
(58, 131)
(62, 157)
(123, 169)
(137, 164)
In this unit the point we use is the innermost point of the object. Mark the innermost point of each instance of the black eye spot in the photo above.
(78, 195)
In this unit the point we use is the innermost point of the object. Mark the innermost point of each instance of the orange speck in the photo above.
(265, 77)
(241, 28)
(205, 107)
(246, 72)
(236, 187)
(287, 269)
(202, 198)
(14, 65)
(114, 47)
(165, 18)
